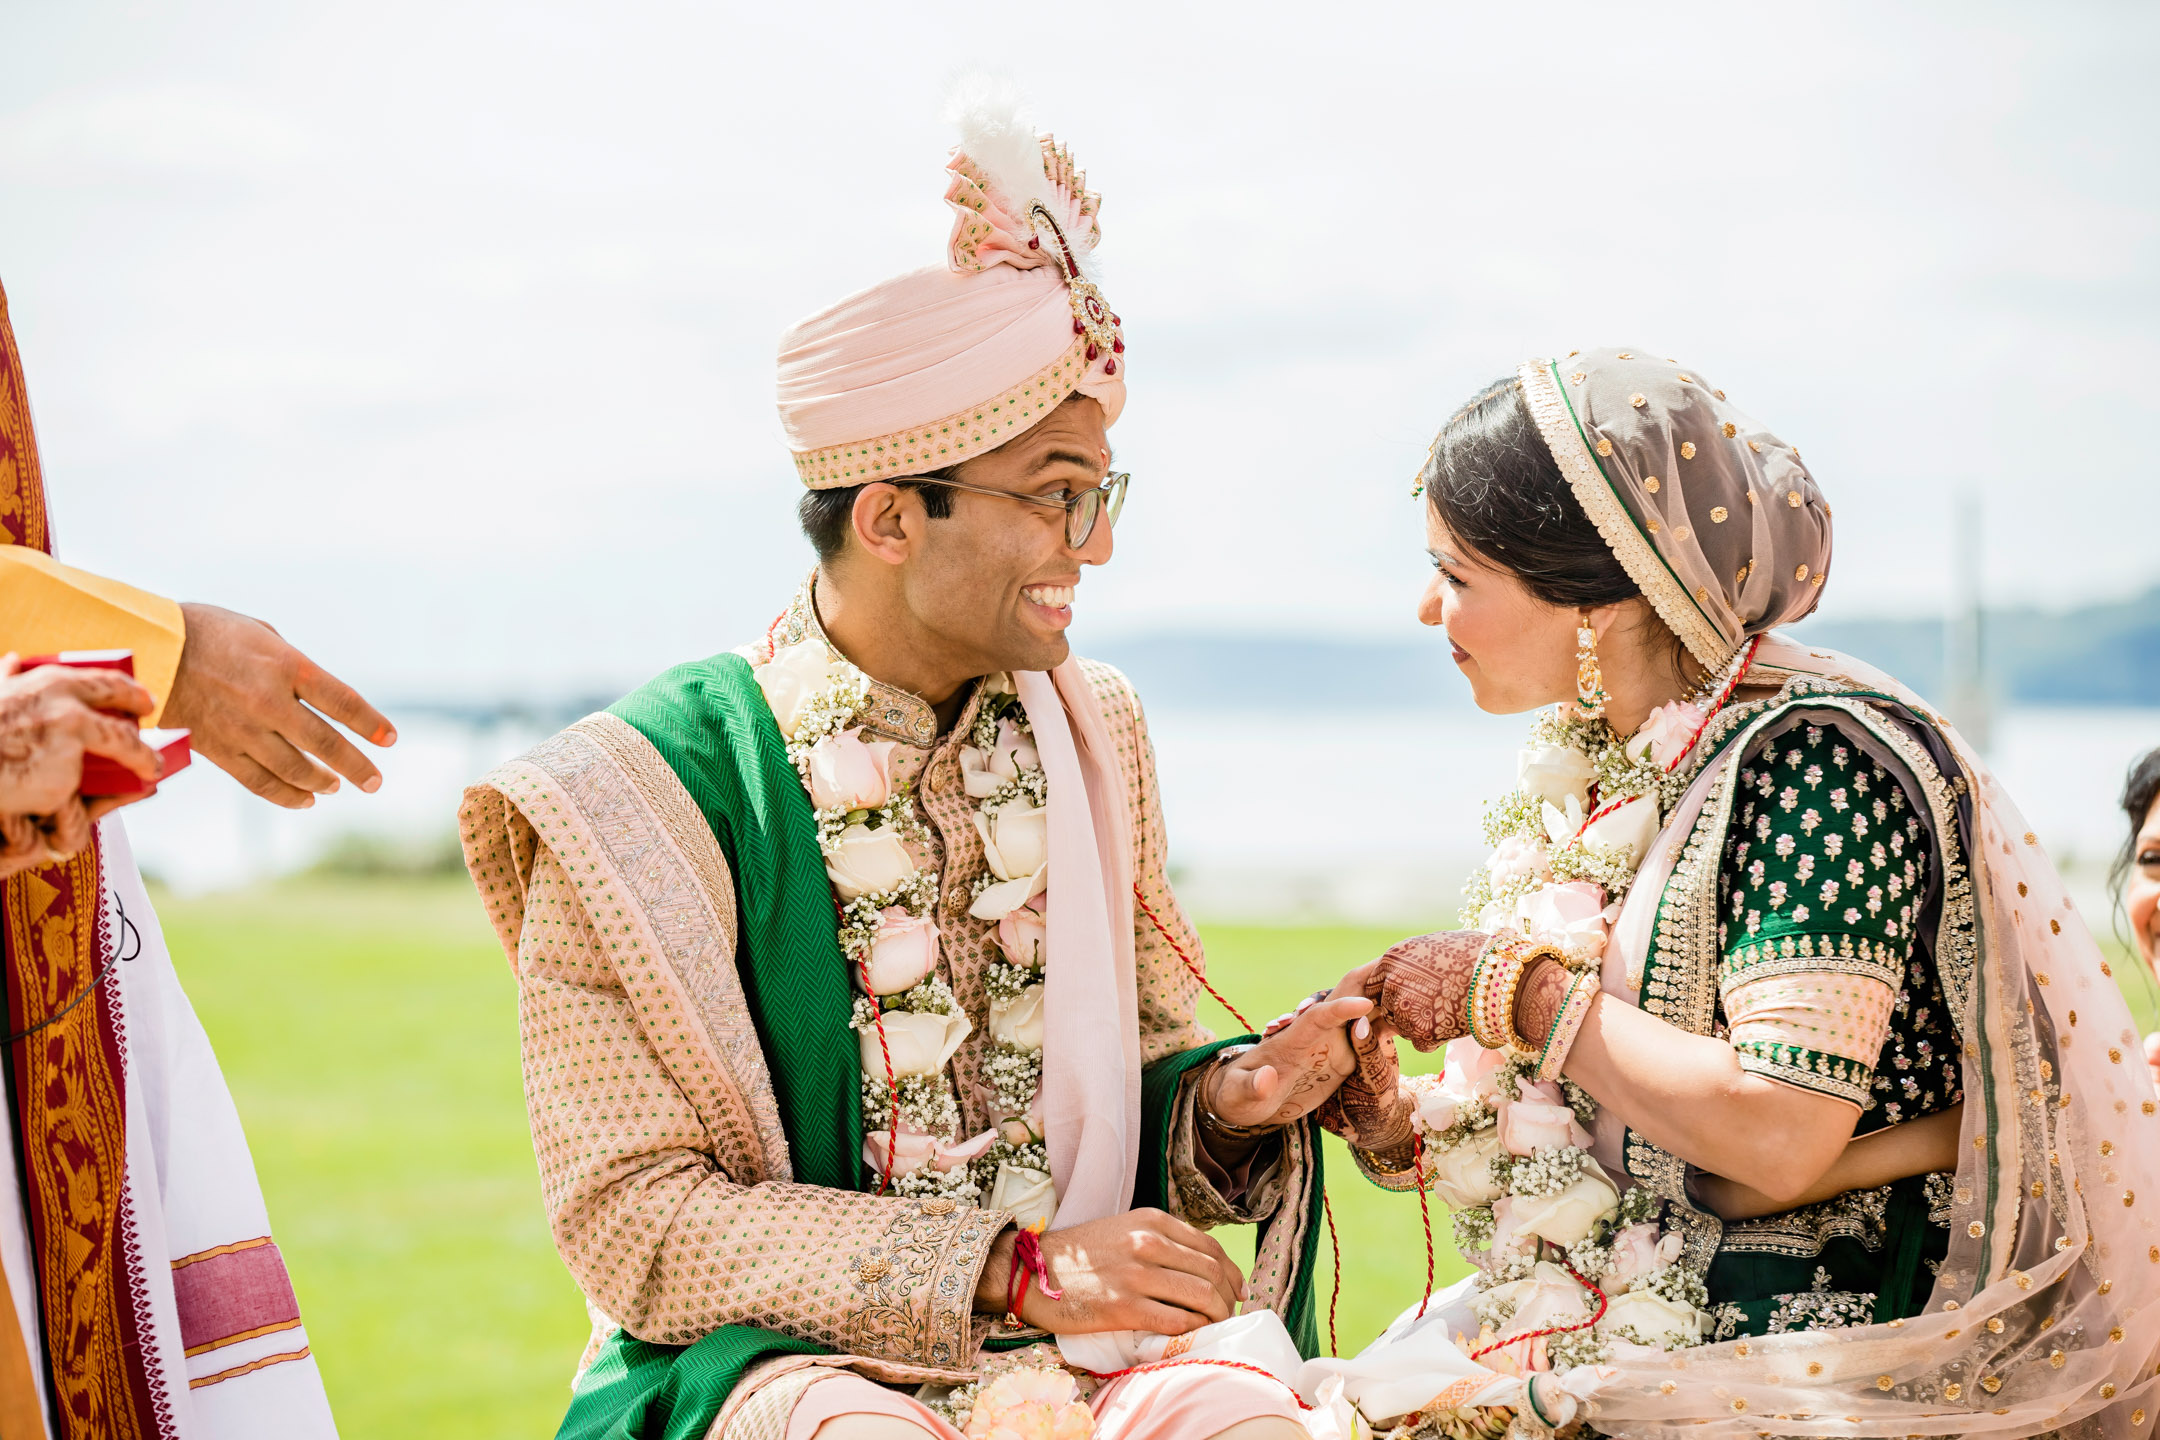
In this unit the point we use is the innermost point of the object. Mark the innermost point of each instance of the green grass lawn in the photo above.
(369, 1031)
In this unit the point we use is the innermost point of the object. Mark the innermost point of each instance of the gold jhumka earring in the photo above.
(1590, 696)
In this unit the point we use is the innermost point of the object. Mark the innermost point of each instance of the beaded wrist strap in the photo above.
(1582, 993)
(1494, 981)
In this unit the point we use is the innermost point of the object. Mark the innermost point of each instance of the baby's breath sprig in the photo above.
(1473, 1228)
(1014, 1074)
(1546, 1172)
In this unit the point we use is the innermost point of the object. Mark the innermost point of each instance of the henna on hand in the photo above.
(1371, 1110)
(1538, 999)
(1424, 983)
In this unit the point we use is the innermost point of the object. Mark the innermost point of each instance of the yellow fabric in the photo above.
(47, 606)
(20, 1413)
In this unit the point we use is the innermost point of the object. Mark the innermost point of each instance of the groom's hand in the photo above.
(1295, 1066)
(1143, 1270)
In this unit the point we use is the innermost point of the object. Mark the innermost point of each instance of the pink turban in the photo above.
(942, 364)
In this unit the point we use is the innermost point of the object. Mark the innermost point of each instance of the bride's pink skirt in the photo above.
(1181, 1402)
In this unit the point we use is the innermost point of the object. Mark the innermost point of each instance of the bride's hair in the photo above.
(1495, 485)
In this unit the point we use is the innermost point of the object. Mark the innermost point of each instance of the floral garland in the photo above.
(1509, 1153)
(907, 1021)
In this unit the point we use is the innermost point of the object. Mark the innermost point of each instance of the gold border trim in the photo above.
(960, 436)
(216, 1250)
(1556, 422)
(259, 1331)
(250, 1368)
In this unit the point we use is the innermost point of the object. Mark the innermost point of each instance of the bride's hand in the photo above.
(1422, 984)
(1371, 1110)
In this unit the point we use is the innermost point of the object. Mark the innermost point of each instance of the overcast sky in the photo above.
(441, 334)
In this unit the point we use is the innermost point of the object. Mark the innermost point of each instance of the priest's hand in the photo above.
(1295, 1066)
(50, 718)
(1143, 1270)
(246, 693)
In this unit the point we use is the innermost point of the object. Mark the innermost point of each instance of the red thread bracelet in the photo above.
(1027, 1264)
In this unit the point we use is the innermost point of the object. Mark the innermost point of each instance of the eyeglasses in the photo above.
(1081, 510)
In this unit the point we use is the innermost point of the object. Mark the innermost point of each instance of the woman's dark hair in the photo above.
(2139, 788)
(823, 514)
(1495, 485)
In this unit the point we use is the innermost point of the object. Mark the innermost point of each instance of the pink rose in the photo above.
(1669, 729)
(1468, 1070)
(915, 1149)
(1638, 1251)
(903, 954)
(1013, 752)
(846, 773)
(1515, 858)
(983, 772)
(1573, 916)
(1436, 1109)
(1528, 1126)
(1024, 932)
(1555, 1298)
(1543, 1092)
(1507, 1243)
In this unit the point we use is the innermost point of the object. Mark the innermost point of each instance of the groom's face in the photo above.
(994, 582)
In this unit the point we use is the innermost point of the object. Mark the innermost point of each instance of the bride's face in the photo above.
(1516, 651)
(2141, 897)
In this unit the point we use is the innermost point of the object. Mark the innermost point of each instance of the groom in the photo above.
(808, 1044)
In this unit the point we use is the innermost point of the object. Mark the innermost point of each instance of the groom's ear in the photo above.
(888, 522)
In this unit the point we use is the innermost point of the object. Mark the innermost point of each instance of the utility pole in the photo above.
(1965, 681)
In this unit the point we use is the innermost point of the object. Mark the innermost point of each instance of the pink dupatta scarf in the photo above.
(2045, 1316)
(1091, 1044)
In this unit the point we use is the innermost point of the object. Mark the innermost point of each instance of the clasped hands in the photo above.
(1334, 1055)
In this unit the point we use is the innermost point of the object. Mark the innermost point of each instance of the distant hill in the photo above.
(2099, 655)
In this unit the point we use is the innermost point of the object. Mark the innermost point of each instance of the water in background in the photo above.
(1272, 815)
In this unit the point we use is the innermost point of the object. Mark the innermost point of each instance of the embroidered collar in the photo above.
(893, 713)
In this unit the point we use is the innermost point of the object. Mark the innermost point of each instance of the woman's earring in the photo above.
(1590, 696)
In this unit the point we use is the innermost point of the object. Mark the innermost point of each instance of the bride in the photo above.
(1785, 1092)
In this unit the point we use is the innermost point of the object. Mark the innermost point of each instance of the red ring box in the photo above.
(102, 776)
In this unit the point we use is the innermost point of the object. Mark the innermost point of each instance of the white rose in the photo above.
(1562, 821)
(1565, 1218)
(920, 1042)
(1631, 828)
(791, 678)
(1555, 773)
(864, 861)
(1016, 843)
(976, 776)
(1653, 1318)
(1019, 1021)
(1016, 838)
(1462, 1176)
(1027, 1194)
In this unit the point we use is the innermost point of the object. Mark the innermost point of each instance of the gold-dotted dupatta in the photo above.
(1714, 517)
(2045, 1315)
